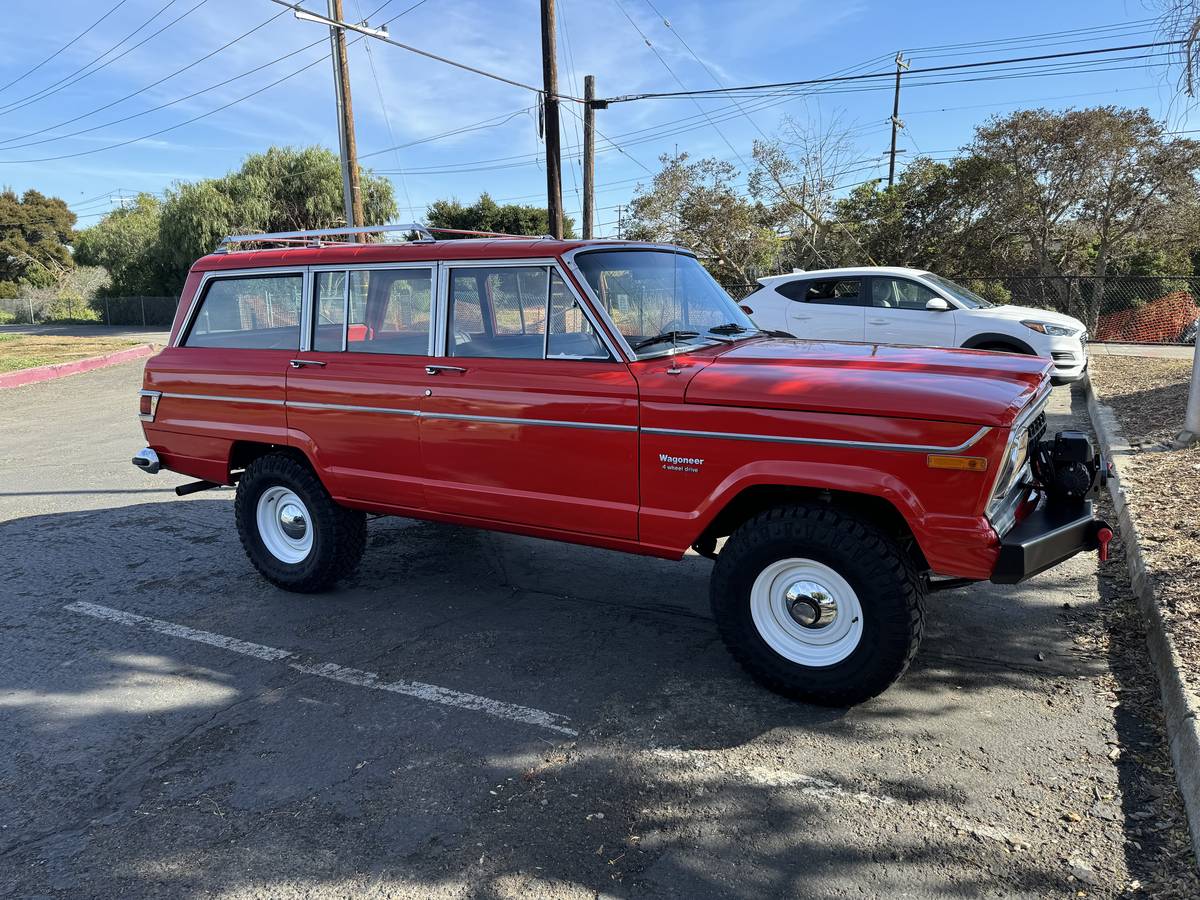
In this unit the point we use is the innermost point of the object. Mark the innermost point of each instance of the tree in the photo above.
(1080, 188)
(35, 231)
(487, 215)
(697, 206)
(125, 242)
(284, 189)
(1180, 20)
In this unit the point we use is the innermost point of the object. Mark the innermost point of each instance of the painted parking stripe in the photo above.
(420, 690)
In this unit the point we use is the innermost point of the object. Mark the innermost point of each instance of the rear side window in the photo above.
(833, 292)
(255, 312)
(388, 309)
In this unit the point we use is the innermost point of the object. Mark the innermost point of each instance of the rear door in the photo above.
(898, 315)
(531, 417)
(353, 392)
(828, 309)
(224, 379)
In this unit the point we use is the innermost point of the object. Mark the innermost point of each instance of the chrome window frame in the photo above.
(627, 350)
(432, 266)
(551, 263)
(185, 329)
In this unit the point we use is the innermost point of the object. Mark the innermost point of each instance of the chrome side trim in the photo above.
(389, 410)
(505, 420)
(222, 399)
(823, 442)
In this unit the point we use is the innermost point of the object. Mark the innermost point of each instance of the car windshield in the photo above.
(659, 299)
(966, 297)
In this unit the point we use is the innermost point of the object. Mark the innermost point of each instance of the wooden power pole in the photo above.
(901, 65)
(348, 147)
(589, 155)
(550, 107)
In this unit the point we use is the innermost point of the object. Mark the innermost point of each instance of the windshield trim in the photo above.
(601, 313)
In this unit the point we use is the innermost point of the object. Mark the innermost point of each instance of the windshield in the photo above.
(659, 299)
(967, 298)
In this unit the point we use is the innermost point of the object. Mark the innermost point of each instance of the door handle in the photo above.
(301, 363)
(877, 321)
(438, 370)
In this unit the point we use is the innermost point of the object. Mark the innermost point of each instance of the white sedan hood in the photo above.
(1019, 313)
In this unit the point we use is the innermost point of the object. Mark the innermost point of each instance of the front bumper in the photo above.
(1047, 536)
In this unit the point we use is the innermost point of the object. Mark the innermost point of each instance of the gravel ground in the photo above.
(1163, 485)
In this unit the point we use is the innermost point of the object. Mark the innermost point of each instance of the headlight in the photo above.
(1047, 328)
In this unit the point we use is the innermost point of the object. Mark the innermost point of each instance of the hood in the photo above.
(969, 386)
(1017, 313)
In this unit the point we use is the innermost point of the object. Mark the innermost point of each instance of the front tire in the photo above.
(817, 604)
(297, 537)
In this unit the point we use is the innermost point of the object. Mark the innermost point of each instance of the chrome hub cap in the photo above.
(806, 612)
(283, 525)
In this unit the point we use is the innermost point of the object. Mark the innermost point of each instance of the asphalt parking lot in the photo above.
(486, 715)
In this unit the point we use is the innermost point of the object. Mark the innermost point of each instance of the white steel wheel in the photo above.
(284, 525)
(806, 612)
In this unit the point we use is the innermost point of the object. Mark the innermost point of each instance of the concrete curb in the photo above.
(1180, 706)
(59, 370)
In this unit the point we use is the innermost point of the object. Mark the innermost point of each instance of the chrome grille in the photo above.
(1037, 428)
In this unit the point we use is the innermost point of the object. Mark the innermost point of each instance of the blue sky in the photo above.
(727, 42)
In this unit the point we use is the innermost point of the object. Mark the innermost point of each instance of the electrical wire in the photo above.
(68, 44)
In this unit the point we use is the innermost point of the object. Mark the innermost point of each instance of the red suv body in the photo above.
(612, 394)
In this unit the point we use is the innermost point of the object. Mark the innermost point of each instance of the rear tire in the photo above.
(817, 604)
(297, 537)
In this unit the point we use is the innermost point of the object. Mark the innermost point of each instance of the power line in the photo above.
(68, 44)
(869, 75)
(71, 79)
(142, 90)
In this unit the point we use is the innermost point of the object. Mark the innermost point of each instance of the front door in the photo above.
(530, 418)
(897, 314)
(353, 393)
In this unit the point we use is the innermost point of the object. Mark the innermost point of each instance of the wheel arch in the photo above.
(243, 453)
(977, 341)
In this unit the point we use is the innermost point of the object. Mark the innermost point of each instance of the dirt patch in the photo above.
(1162, 484)
(26, 351)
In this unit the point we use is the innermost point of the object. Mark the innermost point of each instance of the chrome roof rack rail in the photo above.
(314, 237)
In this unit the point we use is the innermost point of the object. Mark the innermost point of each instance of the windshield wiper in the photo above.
(727, 328)
(665, 337)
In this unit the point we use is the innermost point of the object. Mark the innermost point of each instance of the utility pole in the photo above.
(901, 65)
(347, 146)
(590, 105)
(550, 107)
(620, 222)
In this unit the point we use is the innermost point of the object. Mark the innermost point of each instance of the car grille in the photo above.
(1037, 428)
(1063, 355)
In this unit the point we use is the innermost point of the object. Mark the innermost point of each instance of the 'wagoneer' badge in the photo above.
(680, 463)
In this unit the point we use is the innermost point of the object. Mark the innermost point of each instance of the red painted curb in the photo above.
(59, 370)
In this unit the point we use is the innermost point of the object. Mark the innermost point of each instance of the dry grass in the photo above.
(25, 351)
(1163, 485)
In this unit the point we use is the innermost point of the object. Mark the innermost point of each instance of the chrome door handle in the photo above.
(437, 370)
(301, 363)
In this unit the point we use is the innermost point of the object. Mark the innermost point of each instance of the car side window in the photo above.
(504, 311)
(252, 312)
(834, 292)
(899, 293)
(388, 311)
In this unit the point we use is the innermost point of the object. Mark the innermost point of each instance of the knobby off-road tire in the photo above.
(856, 645)
(305, 556)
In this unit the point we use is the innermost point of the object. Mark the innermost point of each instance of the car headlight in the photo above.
(1047, 328)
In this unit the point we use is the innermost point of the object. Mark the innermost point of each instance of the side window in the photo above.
(899, 293)
(388, 309)
(794, 290)
(571, 333)
(498, 312)
(255, 312)
(834, 292)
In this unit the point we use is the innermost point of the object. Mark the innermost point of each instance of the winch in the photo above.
(1067, 467)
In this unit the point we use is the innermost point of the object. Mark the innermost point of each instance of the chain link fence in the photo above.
(143, 312)
(1119, 309)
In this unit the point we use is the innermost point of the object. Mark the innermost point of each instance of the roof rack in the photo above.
(316, 237)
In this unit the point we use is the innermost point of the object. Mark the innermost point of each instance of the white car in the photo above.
(888, 305)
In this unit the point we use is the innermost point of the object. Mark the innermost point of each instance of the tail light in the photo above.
(148, 405)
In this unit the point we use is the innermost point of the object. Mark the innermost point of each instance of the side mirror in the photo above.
(937, 304)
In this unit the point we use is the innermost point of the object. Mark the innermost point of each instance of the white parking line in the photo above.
(360, 678)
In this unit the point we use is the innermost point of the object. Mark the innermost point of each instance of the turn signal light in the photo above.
(961, 463)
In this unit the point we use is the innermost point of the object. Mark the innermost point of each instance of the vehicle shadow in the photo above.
(203, 770)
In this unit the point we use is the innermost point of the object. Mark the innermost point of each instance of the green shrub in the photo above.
(71, 312)
(7, 318)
